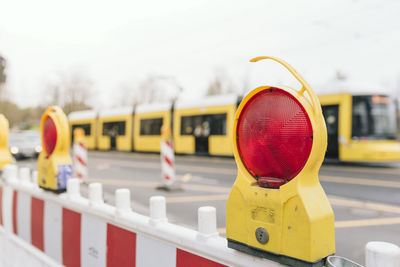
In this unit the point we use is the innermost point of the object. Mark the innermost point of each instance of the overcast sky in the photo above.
(119, 43)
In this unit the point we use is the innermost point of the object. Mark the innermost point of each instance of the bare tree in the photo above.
(157, 88)
(77, 89)
(341, 75)
(71, 91)
(221, 84)
(3, 77)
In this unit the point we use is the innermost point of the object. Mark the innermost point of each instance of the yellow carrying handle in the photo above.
(305, 86)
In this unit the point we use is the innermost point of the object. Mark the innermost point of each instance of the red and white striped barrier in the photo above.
(80, 160)
(70, 230)
(167, 162)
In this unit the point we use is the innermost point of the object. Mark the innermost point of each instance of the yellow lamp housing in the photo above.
(54, 163)
(5, 155)
(287, 219)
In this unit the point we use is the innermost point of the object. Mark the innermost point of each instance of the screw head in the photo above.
(262, 235)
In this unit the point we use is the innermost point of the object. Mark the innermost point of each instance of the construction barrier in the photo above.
(71, 230)
(46, 229)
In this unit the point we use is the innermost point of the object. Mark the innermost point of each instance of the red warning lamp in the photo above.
(274, 137)
(49, 136)
(277, 208)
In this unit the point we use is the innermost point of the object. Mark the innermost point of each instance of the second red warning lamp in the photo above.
(54, 163)
(49, 136)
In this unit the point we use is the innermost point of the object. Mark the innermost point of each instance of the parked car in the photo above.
(26, 144)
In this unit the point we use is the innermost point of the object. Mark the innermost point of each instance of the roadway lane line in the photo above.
(201, 198)
(359, 181)
(181, 167)
(355, 169)
(367, 222)
(212, 170)
(334, 200)
(150, 184)
(337, 201)
(221, 231)
(351, 223)
(123, 182)
(206, 188)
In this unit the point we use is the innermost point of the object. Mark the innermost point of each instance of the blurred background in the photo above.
(102, 54)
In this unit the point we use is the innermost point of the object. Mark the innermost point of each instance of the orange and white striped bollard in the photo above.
(167, 160)
(80, 154)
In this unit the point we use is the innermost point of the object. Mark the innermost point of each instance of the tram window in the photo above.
(373, 117)
(186, 125)
(151, 126)
(114, 128)
(86, 127)
(204, 125)
(218, 124)
(361, 127)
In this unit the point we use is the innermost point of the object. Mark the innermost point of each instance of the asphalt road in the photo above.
(365, 198)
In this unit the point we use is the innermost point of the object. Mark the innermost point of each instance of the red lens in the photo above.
(274, 137)
(49, 136)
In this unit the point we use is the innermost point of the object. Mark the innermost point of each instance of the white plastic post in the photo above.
(35, 177)
(207, 220)
(25, 175)
(96, 194)
(123, 200)
(158, 209)
(73, 188)
(379, 254)
(10, 172)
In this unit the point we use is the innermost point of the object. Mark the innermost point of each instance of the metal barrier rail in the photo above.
(71, 230)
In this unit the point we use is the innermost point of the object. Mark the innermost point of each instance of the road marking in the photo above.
(127, 161)
(103, 166)
(359, 181)
(351, 223)
(369, 170)
(200, 198)
(206, 188)
(123, 182)
(212, 170)
(337, 201)
(149, 184)
(334, 200)
(323, 178)
(367, 222)
(181, 167)
(221, 231)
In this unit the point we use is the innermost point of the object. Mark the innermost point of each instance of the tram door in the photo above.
(201, 133)
(113, 130)
(331, 115)
(113, 142)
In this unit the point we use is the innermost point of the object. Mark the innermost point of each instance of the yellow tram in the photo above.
(361, 127)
